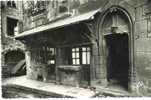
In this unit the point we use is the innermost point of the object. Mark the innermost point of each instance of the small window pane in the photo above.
(52, 51)
(77, 55)
(83, 49)
(84, 58)
(52, 61)
(88, 49)
(74, 61)
(73, 49)
(77, 49)
(73, 55)
(88, 57)
(78, 61)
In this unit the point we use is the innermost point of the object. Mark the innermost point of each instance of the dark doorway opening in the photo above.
(117, 59)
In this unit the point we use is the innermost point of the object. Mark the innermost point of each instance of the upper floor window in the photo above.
(63, 6)
(12, 27)
(11, 4)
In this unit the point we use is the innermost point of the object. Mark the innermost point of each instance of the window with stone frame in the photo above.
(63, 6)
(11, 4)
(81, 56)
(12, 27)
(149, 26)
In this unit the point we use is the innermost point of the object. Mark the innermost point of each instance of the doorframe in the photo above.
(132, 70)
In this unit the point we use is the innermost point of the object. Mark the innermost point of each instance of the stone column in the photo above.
(102, 57)
(28, 63)
(58, 63)
(132, 85)
(93, 64)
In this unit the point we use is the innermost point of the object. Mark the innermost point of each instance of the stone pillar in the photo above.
(98, 65)
(94, 64)
(28, 63)
(132, 85)
(58, 63)
(102, 57)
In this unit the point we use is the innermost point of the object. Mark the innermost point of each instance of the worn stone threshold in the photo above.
(113, 92)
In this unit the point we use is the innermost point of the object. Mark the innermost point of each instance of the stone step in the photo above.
(112, 92)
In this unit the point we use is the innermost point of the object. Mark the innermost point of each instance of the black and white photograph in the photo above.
(75, 48)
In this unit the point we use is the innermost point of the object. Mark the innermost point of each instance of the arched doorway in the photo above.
(14, 59)
(116, 43)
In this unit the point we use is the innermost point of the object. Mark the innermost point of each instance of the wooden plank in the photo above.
(18, 66)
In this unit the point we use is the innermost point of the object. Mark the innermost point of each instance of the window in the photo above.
(12, 27)
(50, 55)
(11, 4)
(81, 55)
(63, 6)
(85, 55)
(149, 26)
(44, 55)
(75, 56)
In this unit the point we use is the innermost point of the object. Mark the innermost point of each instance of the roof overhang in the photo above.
(61, 23)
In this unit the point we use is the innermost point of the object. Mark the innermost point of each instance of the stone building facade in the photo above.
(12, 50)
(96, 43)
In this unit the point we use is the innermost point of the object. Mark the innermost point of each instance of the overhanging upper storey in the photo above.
(61, 23)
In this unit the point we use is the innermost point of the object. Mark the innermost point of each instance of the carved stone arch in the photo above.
(5, 51)
(10, 55)
(102, 44)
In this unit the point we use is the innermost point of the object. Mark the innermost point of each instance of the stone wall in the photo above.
(9, 43)
(142, 45)
(139, 11)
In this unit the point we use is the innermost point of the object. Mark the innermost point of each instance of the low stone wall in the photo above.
(69, 75)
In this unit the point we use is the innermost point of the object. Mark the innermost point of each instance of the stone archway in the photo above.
(11, 59)
(14, 56)
(115, 25)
